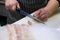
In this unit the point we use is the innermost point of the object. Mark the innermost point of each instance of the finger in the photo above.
(42, 12)
(36, 14)
(41, 16)
(7, 6)
(44, 17)
(13, 8)
(10, 6)
(18, 6)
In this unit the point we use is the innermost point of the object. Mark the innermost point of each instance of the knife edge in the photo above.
(35, 19)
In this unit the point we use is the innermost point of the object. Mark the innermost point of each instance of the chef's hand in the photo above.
(41, 14)
(12, 4)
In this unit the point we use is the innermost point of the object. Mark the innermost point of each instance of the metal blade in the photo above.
(35, 19)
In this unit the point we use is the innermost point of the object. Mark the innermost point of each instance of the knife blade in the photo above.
(29, 15)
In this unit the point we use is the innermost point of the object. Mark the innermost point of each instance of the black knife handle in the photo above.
(22, 12)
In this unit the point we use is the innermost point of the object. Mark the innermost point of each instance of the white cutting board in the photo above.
(48, 31)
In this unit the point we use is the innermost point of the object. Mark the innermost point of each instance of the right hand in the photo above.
(11, 4)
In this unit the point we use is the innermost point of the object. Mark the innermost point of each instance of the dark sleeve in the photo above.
(58, 1)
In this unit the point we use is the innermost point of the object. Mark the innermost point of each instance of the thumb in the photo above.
(18, 6)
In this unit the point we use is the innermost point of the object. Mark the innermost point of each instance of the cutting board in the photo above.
(48, 31)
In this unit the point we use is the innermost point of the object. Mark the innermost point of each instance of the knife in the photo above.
(29, 15)
(25, 14)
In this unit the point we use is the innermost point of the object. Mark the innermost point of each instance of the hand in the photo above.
(41, 14)
(11, 4)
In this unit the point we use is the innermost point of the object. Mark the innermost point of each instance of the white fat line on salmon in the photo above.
(18, 32)
(11, 30)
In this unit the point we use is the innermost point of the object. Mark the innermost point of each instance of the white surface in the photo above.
(3, 33)
(42, 32)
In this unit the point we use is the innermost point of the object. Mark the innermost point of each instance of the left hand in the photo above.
(41, 14)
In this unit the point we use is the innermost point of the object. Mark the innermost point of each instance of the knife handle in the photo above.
(23, 13)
